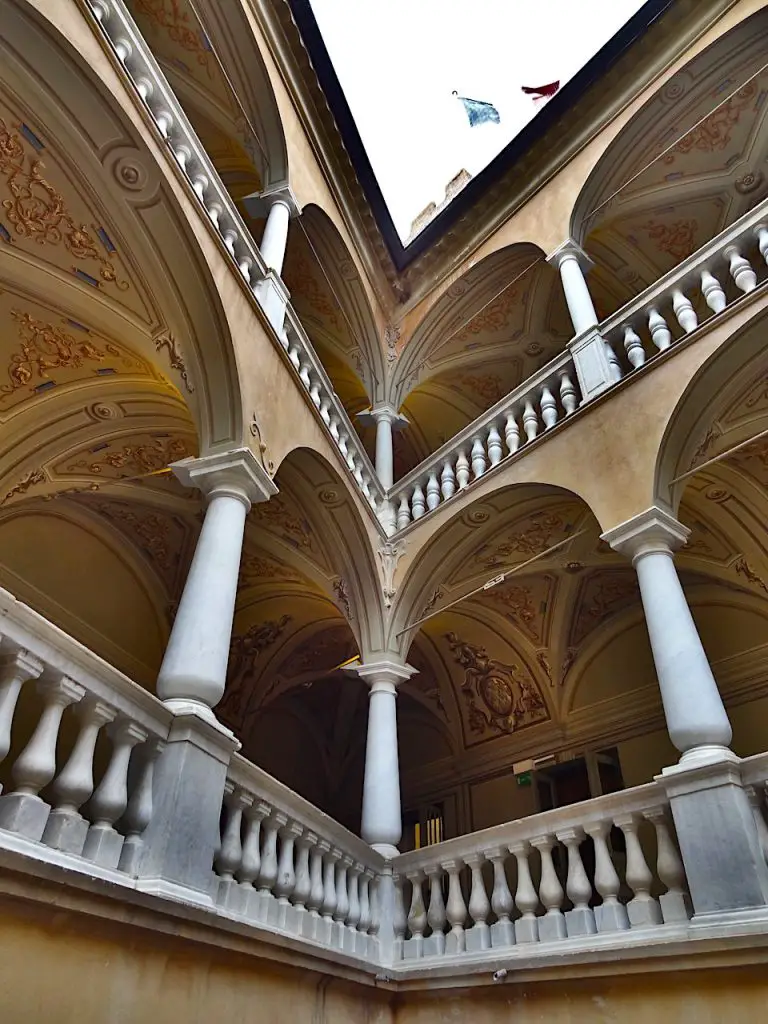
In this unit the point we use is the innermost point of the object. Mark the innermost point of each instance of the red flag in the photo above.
(541, 92)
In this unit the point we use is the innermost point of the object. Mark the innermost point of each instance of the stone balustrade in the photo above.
(696, 290)
(605, 865)
(285, 865)
(754, 775)
(528, 412)
(220, 209)
(89, 742)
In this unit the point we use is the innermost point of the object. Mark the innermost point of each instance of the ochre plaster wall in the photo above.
(57, 969)
(726, 996)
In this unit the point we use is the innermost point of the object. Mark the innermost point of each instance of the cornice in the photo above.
(649, 57)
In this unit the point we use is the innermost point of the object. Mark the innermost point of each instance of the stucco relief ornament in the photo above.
(342, 596)
(175, 358)
(391, 338)
(266, 462)
(498, 696)
(389, 556)
(244, 650)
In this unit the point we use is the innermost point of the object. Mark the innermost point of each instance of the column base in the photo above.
(65, 831)
(103, 846)
(552, 927)
(724, 863)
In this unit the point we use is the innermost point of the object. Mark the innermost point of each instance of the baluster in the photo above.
(100, 10)
(462, 470)
(580, 920)
(417, 915)
(66, 828)
(530, 421)
(741, 270)
(447, 481)
(643, 910)
(200, 185)
(495, 449)
(214, 212)
(246, 265)
(526, 900)
(375, 904)
(325, 405)
(611, 916)
(436, 918)
(333, 426)
(183, 155)
(403, 512)
(164, 121)
(230, 853)
(286, 874)
(552, 925)
(103, 844)
(675, 903)
(23, 810)
(479, 462)
(314, 391)
(433, 492)
(229, 237)
(548, 407)
(357, 473)
(502, 930)
(568, 394)
(355, 909)
(311, 924)
(512, 433)
(418, 505)
(363, 940)
(16, 669)
(293, 354)
(479, 935)
(613, 363)
(138, 813)
(399, 918)
(328, 905)
(633, 347)
(250, 860)
(342, 901)
(123, 49)
(761, 233)
(684, 311)
(342, 443)
(712, 291)
(304, 369)
(302, 883)
(456, 910)
(268, 871)
(661, 336)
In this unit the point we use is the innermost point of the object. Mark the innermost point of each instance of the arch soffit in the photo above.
(140, 262)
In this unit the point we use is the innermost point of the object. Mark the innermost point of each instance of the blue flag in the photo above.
(479, 112)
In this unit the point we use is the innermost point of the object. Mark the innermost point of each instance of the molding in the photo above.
(652, 530)
(238, 470)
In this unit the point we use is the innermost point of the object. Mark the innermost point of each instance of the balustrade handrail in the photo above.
(176, 130)
(464, 437)
(626, 801)
(687, 270)
(23, 628)
(245, 774)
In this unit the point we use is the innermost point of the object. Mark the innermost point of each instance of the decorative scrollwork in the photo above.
(266, 462)
(136, 459)
(37, 210)
(175, 358)
(31, 479)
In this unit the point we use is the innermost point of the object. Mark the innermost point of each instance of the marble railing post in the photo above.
(278, 205)
(190, 775)
(595, 364)
(715, 826)
(381, 819)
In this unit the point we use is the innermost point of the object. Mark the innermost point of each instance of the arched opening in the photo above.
(306, 597)
(493, 328)
(686, 166)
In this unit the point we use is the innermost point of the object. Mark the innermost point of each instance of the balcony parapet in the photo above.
(525, 414)
(264, 285)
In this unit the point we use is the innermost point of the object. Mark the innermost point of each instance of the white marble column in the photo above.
(381, 819)
(274, 241)
(387, 420)
(696, 719)
(596, 366)
(277, 205)
(194, 668)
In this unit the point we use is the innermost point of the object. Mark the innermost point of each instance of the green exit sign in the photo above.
(524, 778)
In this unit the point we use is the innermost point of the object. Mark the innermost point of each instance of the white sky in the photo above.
(399, 60)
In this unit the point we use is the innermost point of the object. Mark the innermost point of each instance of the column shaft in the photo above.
(381, 819)
(384, 450)
(275, 237)
(577, 296)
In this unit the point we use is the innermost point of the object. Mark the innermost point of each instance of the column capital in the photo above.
(258, 204)
(383, 675)
(237, 472)
(652, 530)
(572, 249)
(382, 410)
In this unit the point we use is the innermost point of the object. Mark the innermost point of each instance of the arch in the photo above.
(488, 332)
(138, 271)
(329, 295)
(652, 200)
(187, 47)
